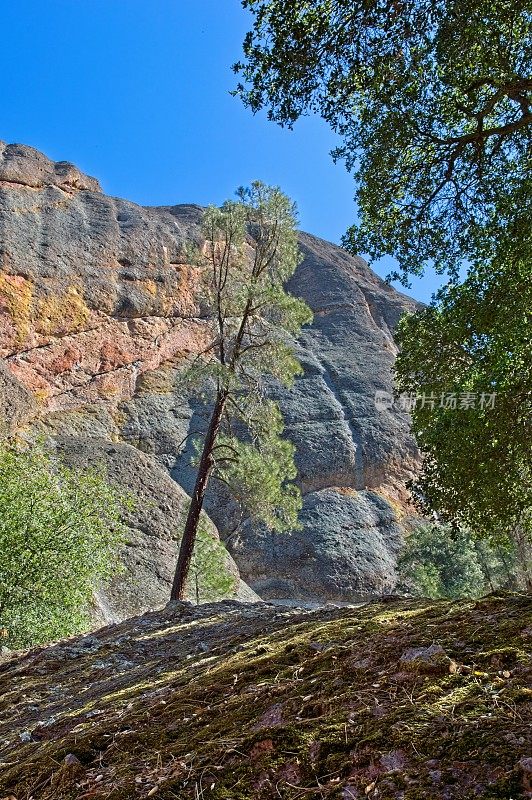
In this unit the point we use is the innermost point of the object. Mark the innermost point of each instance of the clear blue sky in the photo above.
(136, 93)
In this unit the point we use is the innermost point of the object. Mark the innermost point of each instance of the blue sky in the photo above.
(136, 93)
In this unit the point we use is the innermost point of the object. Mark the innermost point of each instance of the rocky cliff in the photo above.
(98, 310)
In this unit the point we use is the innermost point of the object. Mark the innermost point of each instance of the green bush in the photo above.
(440, 562)
(209, 578)
(59, 534)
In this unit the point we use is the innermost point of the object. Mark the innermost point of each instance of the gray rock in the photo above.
(23, 165)
(150, 553)
(348, 354)
(524, 768)
(17, 404)
(57, 228)
(345, 551)
(427, 659)
(114, 375)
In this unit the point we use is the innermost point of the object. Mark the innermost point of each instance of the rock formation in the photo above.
(98, 311)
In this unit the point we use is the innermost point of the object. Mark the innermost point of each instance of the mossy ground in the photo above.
(228, 702)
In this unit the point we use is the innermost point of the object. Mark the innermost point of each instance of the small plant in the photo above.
(209, 578)
(60, 530)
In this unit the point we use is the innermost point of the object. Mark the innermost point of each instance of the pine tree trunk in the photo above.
(186, 549)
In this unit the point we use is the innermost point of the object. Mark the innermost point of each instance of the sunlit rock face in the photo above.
(94, 291)
(353, 459)
(98, 312)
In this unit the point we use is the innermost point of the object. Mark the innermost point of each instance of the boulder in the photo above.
(345, 551)
(432, 659)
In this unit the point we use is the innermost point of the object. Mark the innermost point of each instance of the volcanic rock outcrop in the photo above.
(99, 310)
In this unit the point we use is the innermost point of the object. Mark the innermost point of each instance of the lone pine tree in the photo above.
(250, 251)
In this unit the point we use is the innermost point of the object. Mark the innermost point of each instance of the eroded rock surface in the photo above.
(17, 404)
(94, 291)
(153, 525)
(98, 310)
(346, 549)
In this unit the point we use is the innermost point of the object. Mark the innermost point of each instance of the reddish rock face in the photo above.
(99, 310)
(102, 363)
(93, 291)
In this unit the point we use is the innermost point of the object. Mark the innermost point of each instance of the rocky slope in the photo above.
(391, 701)
(98, 310)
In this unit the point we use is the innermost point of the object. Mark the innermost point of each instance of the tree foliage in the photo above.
(59, 534)
(209, 578)
(441, 562)
(250, 251)
(476, 340)
(432, 100)
(261, 469)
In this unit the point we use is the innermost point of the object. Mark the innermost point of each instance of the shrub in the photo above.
(59, 533)
(440, 562)
(209, 578)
